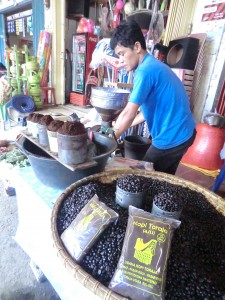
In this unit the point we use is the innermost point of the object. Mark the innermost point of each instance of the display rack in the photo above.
(85, 165)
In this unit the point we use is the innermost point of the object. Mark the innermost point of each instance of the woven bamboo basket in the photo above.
(107, 177)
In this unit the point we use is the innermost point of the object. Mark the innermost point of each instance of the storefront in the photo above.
(184, 18)
(20, 24)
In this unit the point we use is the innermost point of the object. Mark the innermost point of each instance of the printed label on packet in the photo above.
(141, 270)
(79, 237)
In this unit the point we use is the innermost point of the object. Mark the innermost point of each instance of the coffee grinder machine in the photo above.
(109, 102)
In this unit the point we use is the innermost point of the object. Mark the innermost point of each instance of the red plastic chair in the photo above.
(46, 91)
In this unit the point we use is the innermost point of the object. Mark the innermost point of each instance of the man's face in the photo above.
(128, 57)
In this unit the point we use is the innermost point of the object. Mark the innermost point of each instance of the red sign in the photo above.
(214, 12)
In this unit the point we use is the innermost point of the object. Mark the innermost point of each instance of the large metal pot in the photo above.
(52, 173)
(109, 102)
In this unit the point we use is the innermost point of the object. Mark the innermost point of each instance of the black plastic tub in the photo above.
(52, 173)
(135, 146)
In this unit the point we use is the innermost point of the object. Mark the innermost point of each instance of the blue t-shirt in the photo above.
(164, 103)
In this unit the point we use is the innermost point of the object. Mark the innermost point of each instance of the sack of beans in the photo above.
(82, 233)
(141, 270)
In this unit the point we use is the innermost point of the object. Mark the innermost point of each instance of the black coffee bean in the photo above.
(196, 265)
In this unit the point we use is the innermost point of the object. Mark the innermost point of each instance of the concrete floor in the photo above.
(17, 281)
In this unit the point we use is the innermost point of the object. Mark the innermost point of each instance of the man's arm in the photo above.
(138, 119)
(125, 119)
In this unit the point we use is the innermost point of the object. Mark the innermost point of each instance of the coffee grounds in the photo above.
(141, 270)
(72, 128)
(4, 143)
(55, 125)
(36, 117)
(45, 120)
(30, 116)
(85, 229)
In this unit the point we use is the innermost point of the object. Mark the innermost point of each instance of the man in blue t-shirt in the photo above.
(161, 97)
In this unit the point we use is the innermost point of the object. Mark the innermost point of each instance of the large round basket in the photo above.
(107, 177)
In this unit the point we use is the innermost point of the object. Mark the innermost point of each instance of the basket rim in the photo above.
(81, 275)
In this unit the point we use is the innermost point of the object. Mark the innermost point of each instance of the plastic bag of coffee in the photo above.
(91, 221)
(141, 270)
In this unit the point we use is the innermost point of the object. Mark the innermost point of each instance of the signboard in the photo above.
(19, 15)
(214, 12)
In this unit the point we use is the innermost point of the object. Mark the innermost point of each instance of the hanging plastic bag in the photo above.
(85, 25)
(101, 50)
(156, 25)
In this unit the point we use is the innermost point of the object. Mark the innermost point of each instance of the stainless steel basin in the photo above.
(109, 102)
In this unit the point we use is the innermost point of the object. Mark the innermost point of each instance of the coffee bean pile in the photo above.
(102, 259)
(132, 183)
(167, 202)
(156, 187)
(196, 265)
(74, 203)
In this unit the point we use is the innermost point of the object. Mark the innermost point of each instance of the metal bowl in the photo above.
(109, 102)
(214, 119)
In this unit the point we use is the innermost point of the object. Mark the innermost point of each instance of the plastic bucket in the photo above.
(42, 135)
(72, 149)
(125, 199)
(135, 146)
(163, 213)
(53, 142)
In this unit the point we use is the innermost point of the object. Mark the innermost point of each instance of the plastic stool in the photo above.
(219, 179)
(45, 91)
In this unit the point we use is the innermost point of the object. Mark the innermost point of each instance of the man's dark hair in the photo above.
(127, 34)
